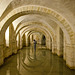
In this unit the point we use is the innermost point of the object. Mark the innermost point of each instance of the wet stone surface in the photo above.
(39, 62)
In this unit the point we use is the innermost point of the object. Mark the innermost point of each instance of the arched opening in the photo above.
(42, 10)
(17, 41)
(43, 40)
(57, 40)
(7, 37)
(42, 30)
(23, 41)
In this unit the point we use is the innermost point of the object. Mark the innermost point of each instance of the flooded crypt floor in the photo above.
(29, 62)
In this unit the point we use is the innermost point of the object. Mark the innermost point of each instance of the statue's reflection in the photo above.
(35, 54)
(34, 61)
(30, 58)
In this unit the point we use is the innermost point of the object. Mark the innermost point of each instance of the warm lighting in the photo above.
(7, 37)
(26, 33)
(17, 40)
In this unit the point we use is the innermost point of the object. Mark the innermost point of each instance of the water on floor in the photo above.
(39, 62)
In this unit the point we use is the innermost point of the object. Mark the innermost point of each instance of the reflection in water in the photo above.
(35, 62)
(27, 62)
(8, 72)
(44, 53)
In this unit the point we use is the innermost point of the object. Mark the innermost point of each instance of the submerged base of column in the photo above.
(60, 53)
(1, 61)
(15, 51)
(70, 65)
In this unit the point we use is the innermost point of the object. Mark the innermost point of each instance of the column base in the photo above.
(1, 61)
(15, 51)
(60, 53)
(54, 51)
(70, 65)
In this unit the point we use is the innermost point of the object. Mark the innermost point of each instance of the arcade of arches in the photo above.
(50, 22)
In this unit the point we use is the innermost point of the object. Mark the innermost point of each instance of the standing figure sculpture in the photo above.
(35, 42)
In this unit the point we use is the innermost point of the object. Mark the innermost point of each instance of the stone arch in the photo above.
(52, 36)
(32, 32)
(44, 22)
(36, 8)
(39, 23)
(45, 33)
(39, 28)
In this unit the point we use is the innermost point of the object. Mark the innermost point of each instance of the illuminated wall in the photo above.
(7, 37)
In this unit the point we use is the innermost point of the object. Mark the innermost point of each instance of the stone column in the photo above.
(70, 57)
(7, 49)
(27, 41)
(12, 39)
(23, 41)
(1, 54)
(19, 41)
(64, 49)
(59, 42)
(48, 42)
(31, 39)
(70, 53)
(54, 46)
(14, 45)
(1, 50)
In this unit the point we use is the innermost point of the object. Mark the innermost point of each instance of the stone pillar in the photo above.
(27, 41)
(54, 47)
(23, 41)
(59, 42)
(14, 45)
(7, 49)
(64, 49)
(1, 51)
(1, 54)
(70, 53)
(31, 39)
(12, 39)
(70, 56)
(19, 41)
(48, 42)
